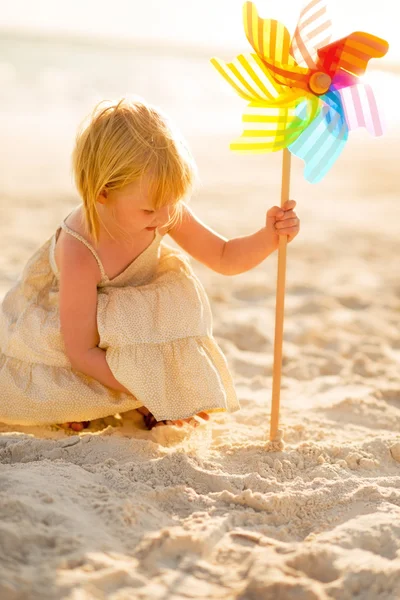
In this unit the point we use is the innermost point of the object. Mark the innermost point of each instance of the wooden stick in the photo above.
(280, 305)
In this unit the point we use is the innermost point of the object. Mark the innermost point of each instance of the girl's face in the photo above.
(130, 207)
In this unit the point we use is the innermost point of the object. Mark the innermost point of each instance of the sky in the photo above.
(199, 22)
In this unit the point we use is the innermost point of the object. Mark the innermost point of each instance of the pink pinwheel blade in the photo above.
(360, 108)
(313, 31)
(343, 79)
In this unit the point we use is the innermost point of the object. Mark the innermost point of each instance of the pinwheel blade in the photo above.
(313, 30)
(271, 128)
(321, 143)
(351, 54)
(271, 40)
(249, 77)
(360, 108)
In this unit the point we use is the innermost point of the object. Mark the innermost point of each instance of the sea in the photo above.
(50, 83)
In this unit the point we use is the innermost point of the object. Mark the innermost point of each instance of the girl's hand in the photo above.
(283, 221)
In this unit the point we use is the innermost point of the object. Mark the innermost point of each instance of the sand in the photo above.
(120, 512)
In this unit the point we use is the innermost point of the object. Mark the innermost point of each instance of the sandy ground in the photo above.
(119, 512)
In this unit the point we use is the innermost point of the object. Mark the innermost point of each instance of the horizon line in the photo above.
(197, 50)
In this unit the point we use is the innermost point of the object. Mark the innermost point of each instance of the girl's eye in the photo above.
(149, 211)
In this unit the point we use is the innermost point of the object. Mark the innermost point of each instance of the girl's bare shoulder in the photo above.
(72, 256)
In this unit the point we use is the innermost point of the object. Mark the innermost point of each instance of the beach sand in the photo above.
(120, 512)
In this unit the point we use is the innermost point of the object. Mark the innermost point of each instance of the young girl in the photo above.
(105, 316)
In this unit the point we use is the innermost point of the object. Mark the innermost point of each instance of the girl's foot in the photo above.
(75, 425)
(151, 421)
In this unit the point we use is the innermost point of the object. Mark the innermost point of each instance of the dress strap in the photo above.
(78, 236)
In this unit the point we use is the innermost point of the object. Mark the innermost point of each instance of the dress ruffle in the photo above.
(176, 379)
(39, 394)
(159, 344)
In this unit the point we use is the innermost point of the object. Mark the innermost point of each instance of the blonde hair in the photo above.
(121, 142)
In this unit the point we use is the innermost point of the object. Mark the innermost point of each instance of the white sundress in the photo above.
(154, 322)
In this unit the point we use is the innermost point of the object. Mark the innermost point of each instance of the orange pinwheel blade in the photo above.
(351, 53)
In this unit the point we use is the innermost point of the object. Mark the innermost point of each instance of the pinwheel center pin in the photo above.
(319, 82)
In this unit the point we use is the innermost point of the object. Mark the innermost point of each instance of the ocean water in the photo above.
(47, 87)
(41, 78)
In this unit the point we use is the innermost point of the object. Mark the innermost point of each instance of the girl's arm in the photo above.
(240, 254)
(227, 257)
(79, 276)
(246, 252)
(94, 363)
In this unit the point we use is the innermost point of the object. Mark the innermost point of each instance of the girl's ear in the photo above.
(102, 197)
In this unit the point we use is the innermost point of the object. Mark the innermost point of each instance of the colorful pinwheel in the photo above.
(304, 93)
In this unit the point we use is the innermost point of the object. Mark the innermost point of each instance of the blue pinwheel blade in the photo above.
(322, 142)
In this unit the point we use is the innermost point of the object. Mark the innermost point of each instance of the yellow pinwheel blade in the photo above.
(271, 40)
(249, 77)
(274, 126)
